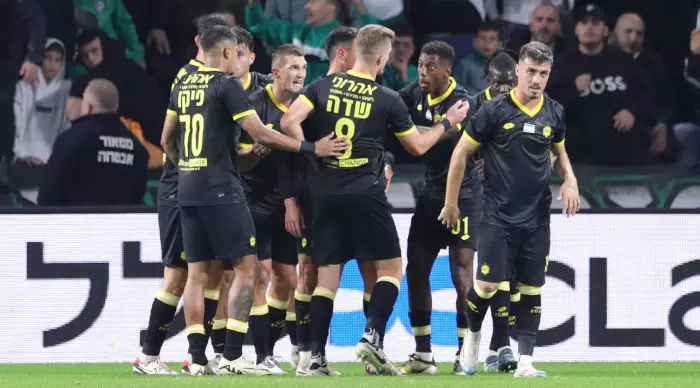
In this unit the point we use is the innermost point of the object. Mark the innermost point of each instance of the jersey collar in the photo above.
(279, 105)
(487, 93)
(248, 82)
(196, 63)
(525, 109)
(450, 89)
(360, 75)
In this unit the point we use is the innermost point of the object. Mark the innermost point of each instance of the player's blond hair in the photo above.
(372, 40)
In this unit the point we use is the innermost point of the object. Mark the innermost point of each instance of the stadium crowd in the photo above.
(628, 95)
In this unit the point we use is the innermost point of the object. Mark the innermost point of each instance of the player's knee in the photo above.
(227, 278)
(248, 268)
(487, 287)
(199, 278)
(391, 267)
(174, 281)
(308, 277)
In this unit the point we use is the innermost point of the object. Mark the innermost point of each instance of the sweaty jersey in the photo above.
(261, 184)
(205, 102)
(256, 81)
(357, 108)
(428, 111)
(516, 142)
(167, 189)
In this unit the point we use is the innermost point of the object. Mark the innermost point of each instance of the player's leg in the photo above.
(282, 280)
(168, 295)
(218, 329)
(260, 313)
(368, 272)
(306, 283)
(211, 298)
(374, 239)
(493, 257)
(500, 357)
(530, 269)
(291, 325)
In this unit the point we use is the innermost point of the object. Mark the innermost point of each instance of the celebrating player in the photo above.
(517, 131)
(216, 222)
(175, 271)
(428, 100)
(262, 186)
(352, 217)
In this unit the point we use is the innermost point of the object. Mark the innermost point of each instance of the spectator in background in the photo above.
(23, 32)
(116, 22)
(98, 162)
(141, 102)
(628, 36)
(293, 11)
(386, 11)
(40, 107)
(309, 36)
(545, 27)
(60, 23)
(609, 110)
(399, 71)
(688, 133)
(469, 71)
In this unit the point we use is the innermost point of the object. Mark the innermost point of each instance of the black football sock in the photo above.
(162, 313)
(381, 304)
(513, 311)
(478, 304)
(420, 326)
(198, 344)
(291, 323)
(499, 314)
(530, 312)
(235, 335)
(278, 313)
(365, 304)
(211, 301)
(260, 330)
(462, 327)
(218, 335)
(322, 312)
(302, 306)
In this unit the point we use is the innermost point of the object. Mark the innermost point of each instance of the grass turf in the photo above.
(570, 375)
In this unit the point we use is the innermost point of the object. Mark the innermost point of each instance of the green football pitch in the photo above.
(574, 375)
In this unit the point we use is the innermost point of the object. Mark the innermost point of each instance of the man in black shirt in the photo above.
(500, 75)
(98, 161)
(352, 217)
(265, 199)
(175, 266)
(216, 222)
(252, 81)
(517, 132)
(428, 99)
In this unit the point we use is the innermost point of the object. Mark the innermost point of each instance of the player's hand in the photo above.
(479, 164)
(583, 81)
(568, 194)
(695, 42)
(457, 112)
(624, 120)
(33, 161)
(449, 216)
(260, 150)
(388, 173)
(28, 71)
(329, 146)
(659, 139)
(160, 39)
(293, 219)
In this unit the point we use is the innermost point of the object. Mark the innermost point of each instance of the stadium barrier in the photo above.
(620, 287)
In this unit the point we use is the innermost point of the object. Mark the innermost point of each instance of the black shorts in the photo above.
(503, 250)
(428, 231)
(306, 241)
(358, 226)
(273, 240)
(218, 232)
(171, 245)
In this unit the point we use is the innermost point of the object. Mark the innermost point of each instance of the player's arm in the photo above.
(168, 139)
(249, 153)
(417, 143)
(568, 193)
(299, 111)
(466, 146)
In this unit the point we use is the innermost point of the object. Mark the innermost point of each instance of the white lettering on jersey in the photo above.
(608, 84)
(123, 143)
(114, 157)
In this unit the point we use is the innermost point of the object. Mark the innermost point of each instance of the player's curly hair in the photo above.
(440, 49)
(244, 36)
(537, 52)
(502, 60)
(206, 22)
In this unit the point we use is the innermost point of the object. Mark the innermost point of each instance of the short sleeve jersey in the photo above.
(205, 103)
(354, 106)
(167, 190)
(427, 111)
(516, 142)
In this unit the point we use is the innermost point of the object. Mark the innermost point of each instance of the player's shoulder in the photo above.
(461, 94)
(264, 79)
(552, 105)
(411, 90)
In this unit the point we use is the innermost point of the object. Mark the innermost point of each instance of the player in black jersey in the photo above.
(428, 99)
(217, 226)
(500, 74)
(175, 271)
(352, 217)
(517, 132)
(276, 248)
(252, 81)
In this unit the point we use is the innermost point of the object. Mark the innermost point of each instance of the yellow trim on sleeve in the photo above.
(459, 126)
(171, 112)
(487, 93)
(245, 145)
(304, 98)
(471, 139)
(406, 132)
(243, 114)
(559, 143)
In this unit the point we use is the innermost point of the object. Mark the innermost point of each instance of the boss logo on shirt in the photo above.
(612, 83)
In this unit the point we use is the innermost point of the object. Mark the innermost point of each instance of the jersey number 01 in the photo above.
(462, 228)
(194, 134)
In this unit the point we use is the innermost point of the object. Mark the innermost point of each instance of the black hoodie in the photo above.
(140, 98)
(617, 82)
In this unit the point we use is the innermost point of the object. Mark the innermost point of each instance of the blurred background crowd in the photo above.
(626, 71)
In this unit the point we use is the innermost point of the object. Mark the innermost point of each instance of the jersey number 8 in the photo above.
(194, 134)
(345, 127)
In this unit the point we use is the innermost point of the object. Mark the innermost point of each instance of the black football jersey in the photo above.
(354, 106)
(516, 142)
(257, 81)
(427, 111)
(207, 103)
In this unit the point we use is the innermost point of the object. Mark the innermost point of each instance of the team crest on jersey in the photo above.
(508, 126)
(547, 131)
(485, 269)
